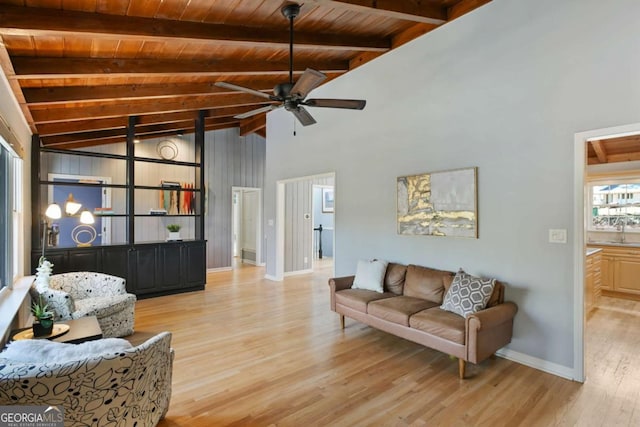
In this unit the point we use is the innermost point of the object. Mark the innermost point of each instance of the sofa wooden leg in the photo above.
(461, 366)
(342, 321)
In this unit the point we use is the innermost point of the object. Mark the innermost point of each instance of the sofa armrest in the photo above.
(489, 330)
(60, 302)
(340, 283)
(337, 284)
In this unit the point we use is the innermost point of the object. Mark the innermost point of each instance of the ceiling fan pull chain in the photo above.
(294, 125)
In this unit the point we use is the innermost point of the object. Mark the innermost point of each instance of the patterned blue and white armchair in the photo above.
(79, 294)
(98, 383)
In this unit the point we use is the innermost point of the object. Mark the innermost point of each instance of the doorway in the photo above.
(294, 226)
(246, 226)
(323, 226)
(582, 218)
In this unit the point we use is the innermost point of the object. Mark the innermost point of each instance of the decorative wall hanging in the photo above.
(438, 204)
(167, 149)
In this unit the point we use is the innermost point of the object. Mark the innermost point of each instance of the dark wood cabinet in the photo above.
(151, 269)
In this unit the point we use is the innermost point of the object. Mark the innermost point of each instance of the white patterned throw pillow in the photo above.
(370, 275)
(468, 294)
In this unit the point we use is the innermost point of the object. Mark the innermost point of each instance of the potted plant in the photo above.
(174, 232)
(43, 325)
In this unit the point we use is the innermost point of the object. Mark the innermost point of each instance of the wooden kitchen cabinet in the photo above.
(593, 281)
(627, 275)
(620, 271)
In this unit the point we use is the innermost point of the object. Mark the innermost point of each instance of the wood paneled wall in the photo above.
(298, 234)
(231, 161)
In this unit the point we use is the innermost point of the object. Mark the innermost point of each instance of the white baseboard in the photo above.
(217, 270)
(272, 278)
(536, 363)
(296, 273)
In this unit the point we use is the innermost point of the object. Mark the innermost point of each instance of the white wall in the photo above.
(505, 89)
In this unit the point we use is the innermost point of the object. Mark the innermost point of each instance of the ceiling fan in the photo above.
(292, 96)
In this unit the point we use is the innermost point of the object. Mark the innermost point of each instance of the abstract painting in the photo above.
(439, 204)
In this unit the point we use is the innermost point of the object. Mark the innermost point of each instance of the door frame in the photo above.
(106, 198)
(280, 218)
(259, 240)
(580, 230)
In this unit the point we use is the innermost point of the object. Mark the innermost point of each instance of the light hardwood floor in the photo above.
(250, 352)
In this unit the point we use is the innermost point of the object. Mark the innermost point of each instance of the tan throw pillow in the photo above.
(468, 294)
(370, 275)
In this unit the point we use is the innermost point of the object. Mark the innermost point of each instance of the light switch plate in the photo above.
(557, 235)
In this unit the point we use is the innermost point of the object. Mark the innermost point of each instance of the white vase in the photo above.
(174, 235)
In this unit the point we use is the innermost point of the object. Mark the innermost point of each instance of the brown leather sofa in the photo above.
(410, 308)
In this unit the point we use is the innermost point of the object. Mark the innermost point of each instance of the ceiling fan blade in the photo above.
(251, 113)
(303, 116)
(308, 81)
(244, 89)
(351, 104)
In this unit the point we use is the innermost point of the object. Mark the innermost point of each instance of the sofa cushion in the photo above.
(425, 283)
(468, 294)
(394, 278)
(441, 323)
(398, 309)
(370, 275)
(359, 298)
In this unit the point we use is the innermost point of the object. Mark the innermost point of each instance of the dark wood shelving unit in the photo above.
(150, 268)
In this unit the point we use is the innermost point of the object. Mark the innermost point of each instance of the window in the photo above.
(615, 205)
(10, 215)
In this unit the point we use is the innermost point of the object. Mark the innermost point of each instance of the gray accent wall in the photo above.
(504, 88)
(231, 160)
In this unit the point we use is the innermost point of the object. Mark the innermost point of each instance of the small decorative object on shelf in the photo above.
(43, 324)
(43, 272)
(174, 232)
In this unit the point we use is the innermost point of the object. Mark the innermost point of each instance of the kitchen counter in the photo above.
(591, 251)
(619, 244)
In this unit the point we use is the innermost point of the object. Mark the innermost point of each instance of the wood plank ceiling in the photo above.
(613, 150)
(80, 68)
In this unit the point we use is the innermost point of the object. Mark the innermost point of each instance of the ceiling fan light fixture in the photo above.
(292, 95)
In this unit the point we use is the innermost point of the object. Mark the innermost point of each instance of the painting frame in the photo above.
(441, 203)
(328, 200)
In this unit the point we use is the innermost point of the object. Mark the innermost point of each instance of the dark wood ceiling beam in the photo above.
(50, 95)
(253, 124)
(464, 7)
(601, 152)
(262, 132)
(29, 21)
(75, 126)
(133, 108)
(181, 126)
(399, 39)
(397, 9)
(27, 67)
(93, 143)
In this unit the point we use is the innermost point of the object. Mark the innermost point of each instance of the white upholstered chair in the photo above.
(75, 295)
(104, 387)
